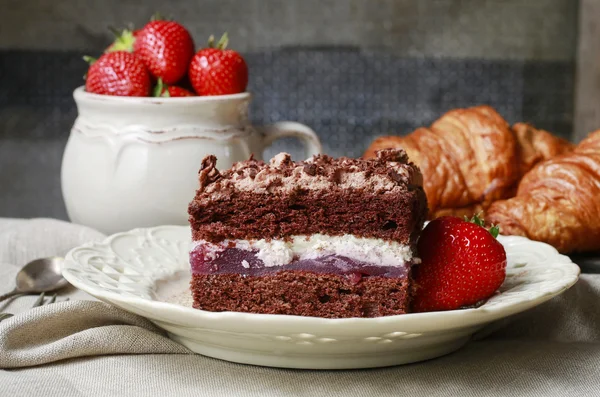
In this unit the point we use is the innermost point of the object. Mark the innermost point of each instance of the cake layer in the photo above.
(324, 237)
(302, 293)
(380, 198)
(278, 252)
(239, 261)
(243, 215)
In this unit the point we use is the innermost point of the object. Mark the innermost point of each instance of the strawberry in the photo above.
(217, 71)
(462, 264)
(117, 73)
(175, 91)
(166, 48)
(163, 90)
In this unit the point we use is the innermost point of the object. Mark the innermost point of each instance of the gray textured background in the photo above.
(491, 29)
(350, 69)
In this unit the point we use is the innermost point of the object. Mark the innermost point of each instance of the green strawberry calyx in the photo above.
(161, 89)
(479, 221)
(124, 40)
(90, 60)
(221, 44)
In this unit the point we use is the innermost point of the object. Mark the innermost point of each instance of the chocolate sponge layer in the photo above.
(303, 294)
(376, 198)
(245, 215)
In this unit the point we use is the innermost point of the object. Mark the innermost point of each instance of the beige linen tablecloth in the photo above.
(84, 347)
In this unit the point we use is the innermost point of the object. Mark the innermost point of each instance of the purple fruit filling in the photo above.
(238, 261)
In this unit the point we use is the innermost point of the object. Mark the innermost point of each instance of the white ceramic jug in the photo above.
(133, 162)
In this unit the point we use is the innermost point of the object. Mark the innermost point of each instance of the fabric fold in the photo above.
(76, 329)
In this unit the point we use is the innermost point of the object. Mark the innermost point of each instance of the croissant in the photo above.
(461, 212)
(467, 157)
(471, 157)
(534, 146)
(558, 201)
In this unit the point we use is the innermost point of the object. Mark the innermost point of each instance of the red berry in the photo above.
(462, 264)
(166, 48)
(447, 219)
(175, 91)
(118, 73)
(163, 90)
(217, 71)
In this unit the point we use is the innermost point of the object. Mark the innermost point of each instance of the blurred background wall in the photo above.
(350, 69)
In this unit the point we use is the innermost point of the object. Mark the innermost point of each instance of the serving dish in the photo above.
(144, 271)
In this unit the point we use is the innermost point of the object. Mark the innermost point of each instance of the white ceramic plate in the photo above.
(133, 270)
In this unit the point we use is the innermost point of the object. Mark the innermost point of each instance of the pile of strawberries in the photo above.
(160, 60)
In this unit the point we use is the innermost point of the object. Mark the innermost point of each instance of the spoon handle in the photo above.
(11, 293)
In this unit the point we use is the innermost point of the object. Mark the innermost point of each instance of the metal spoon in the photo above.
(40, 275)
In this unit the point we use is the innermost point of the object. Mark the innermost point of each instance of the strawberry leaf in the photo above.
(124, 41)
(495, 231)
(221, 44)
(89, 59)
(476, 219)
(223, 41)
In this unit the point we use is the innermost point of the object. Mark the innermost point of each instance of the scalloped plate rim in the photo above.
(487, 314)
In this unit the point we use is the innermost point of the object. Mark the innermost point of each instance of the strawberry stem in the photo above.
(156, 17)
(158, 88)
(161, 89)
(211, 41)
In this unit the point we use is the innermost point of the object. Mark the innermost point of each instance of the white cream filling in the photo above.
(277, 252)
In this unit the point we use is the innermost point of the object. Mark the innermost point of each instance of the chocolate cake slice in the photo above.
(324, 237)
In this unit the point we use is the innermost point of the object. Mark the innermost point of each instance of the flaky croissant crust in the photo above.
(558, 201)
(535, 145)
(467, 157)
(471, 157)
